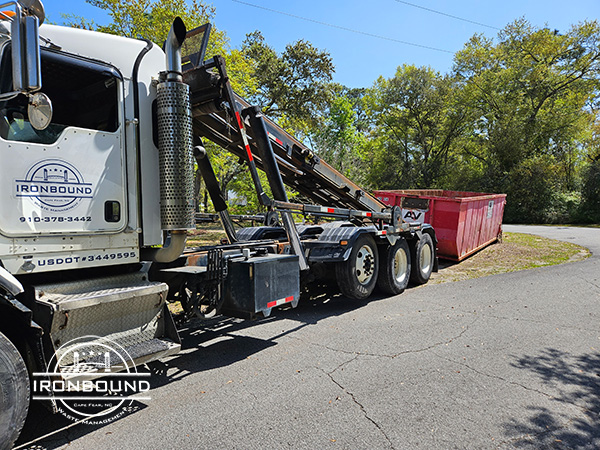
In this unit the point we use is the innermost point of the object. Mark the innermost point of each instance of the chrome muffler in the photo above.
(175, 144)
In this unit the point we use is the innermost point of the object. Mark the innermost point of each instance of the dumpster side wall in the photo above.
(464, 222)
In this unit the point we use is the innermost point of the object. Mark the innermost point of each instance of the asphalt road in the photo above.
(501, 362)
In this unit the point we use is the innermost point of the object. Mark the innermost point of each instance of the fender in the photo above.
(12, 288)
(426, 228)
(328, 248)
(17, 324)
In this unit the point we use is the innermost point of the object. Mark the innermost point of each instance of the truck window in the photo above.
(84, 94)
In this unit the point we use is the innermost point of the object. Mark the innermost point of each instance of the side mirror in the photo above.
(39, 111)
(25, 53)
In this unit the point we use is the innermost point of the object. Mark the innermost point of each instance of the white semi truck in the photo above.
(99, 138)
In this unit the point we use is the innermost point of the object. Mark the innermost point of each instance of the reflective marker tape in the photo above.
(276, 139)
(250, 158)
(244, 137)
(280, 302)
(327, 210)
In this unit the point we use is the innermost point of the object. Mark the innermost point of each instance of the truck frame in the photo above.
(97, 182)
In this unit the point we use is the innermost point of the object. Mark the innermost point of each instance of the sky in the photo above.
(368, 39)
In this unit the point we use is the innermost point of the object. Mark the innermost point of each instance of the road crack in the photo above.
(393, 356)
(355, 400)
(437, 344)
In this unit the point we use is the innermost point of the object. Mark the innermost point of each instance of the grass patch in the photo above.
(206, 234)
(517, 251)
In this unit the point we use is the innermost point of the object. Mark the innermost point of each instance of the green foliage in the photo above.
(339, 141)
(246, 198)
(416, 121)
(519, 116)
(564, 208)
(531, 190)
(293, 84)
(590, 205)
(527, 94)
(145, 19)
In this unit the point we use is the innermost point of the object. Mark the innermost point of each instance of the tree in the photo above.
(590, 193)
(416, 124)
(145, 19)
(340, 137)
(295, 84)
(528, 97)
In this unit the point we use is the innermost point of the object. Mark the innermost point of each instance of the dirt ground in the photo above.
(515, 252)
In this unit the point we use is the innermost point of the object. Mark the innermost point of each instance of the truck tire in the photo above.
(394, 267)
(14, 393)
(357, 276)
(422, 257)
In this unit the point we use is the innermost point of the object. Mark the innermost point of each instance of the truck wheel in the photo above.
(357, 276)
(422, 255)
(394, 267)
(14, 393)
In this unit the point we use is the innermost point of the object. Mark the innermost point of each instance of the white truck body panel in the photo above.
(122, 53)
(61, 188)
(53, 214)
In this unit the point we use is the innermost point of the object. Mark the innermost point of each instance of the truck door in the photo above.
(70, 177)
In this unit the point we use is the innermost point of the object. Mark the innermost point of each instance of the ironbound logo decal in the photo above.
(54, 185)
(91, 379)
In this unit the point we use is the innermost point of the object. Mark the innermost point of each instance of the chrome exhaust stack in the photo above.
(175, 145)
(172, 48)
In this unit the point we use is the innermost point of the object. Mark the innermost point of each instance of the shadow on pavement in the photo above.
(206, 345)
(214, 343)
(577, 379)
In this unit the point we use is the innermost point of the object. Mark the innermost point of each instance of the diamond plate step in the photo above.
(126, 309)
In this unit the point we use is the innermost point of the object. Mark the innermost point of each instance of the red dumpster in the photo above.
(464, 222)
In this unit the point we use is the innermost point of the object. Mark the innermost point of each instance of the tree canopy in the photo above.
(529, 98)
(294, 84)
(518, 114)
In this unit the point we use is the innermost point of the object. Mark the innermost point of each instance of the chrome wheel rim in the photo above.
(400, 268)
(365, 264)
(425, 258)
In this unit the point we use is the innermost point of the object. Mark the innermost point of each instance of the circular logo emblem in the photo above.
(54, 185)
